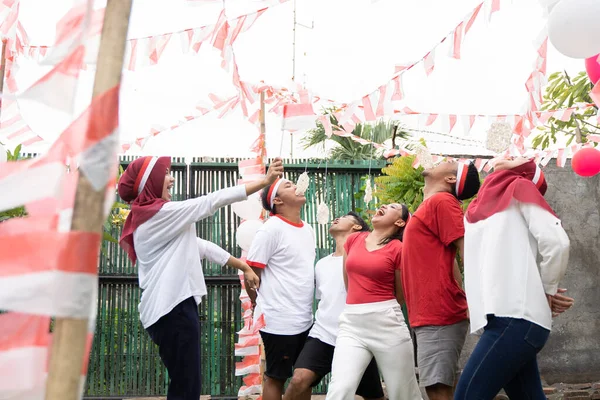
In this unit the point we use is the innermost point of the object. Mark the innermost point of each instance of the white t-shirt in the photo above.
(501, 271)
(286, 252)
(169, 255)
(331, 292)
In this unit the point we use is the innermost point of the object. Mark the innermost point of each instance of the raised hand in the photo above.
(275, 171)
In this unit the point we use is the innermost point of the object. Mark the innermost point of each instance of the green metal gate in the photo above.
(124, 362)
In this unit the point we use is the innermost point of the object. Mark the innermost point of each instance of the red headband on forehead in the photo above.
(461, 177)
(141, 185)
(500, 187)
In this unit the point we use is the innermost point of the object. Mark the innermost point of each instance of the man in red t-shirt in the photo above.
(432, 282)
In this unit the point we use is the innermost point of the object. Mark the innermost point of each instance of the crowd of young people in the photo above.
(359, 331)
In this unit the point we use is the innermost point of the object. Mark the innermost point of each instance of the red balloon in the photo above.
(586, 162)
(592, 67)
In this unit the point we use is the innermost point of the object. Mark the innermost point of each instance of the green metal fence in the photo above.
(124, 362)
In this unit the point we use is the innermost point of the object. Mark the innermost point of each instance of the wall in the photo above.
(572, 354)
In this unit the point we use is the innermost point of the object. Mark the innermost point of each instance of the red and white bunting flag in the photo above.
(465, 123)
(157, 46)
(24, 344)
(57, 88)
(131, 54)
(13, 128)
(401, 67)
(563, 115)
(493, 6)
(298, 117)
(472, 17)
(430, 119)
(561, 158)
(398, 90)
(368, 107)
(326, 122)
(480, 163)
(451, 121)
(429, 62)
(457, 37)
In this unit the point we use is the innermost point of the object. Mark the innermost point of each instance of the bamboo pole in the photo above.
(261, 119)
(69, 338)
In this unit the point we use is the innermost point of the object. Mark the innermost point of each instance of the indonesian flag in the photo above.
(298, 117)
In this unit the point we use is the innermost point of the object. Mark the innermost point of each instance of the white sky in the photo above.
(350, 52)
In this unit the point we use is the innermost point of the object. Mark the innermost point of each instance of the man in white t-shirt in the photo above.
(315, 360)
(283, 255)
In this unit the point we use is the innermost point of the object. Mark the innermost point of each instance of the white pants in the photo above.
(379, 330)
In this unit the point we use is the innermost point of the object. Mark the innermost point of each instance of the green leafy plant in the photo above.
(401, 183)
(116, 217)
(347, 148)
(564, 92)
(18, 211)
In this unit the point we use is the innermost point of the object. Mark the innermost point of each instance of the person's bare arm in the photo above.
(345, 273)
(460, 246)
(398, 287)
(254, 293)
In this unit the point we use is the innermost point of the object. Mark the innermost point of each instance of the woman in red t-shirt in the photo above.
(372, 324)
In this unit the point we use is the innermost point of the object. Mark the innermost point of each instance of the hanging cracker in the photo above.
(498, 137)
(302, 184)
(322, 213)
(368, 192)
(424, 156)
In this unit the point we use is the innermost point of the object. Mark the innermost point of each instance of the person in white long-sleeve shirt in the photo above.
(508, 295)
(159, 234)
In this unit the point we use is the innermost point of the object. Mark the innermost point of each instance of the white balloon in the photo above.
(3, 156)
(549, 4)
(249, 209)
(574, 27)
(245, 233)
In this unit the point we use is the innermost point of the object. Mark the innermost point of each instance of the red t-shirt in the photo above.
(371, 273)
(433, 297)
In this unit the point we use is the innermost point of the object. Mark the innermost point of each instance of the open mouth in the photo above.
(380, 212)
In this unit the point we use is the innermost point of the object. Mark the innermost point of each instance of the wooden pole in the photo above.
(69, 338)
(261, 119)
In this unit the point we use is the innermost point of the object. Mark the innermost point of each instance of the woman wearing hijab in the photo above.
(372, 323)
(159, 234)
(506, 226)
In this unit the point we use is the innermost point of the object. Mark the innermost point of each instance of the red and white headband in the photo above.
(461, 177)
(143, 174)
(273, 190)
(538, 178)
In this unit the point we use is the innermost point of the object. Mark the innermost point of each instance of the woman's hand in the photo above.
(560, 303)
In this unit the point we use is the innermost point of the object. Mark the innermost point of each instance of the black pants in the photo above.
(177, 335)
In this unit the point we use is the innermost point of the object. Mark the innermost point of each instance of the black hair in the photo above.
(364, 227)
(399, 234)
(264, 196)
(472, 183)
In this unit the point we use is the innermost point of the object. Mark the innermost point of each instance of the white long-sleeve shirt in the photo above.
(501, 272)
(169, 255)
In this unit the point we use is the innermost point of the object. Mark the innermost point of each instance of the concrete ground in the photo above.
(559, 391)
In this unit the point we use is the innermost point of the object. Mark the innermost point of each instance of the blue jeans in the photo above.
(504, 358)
